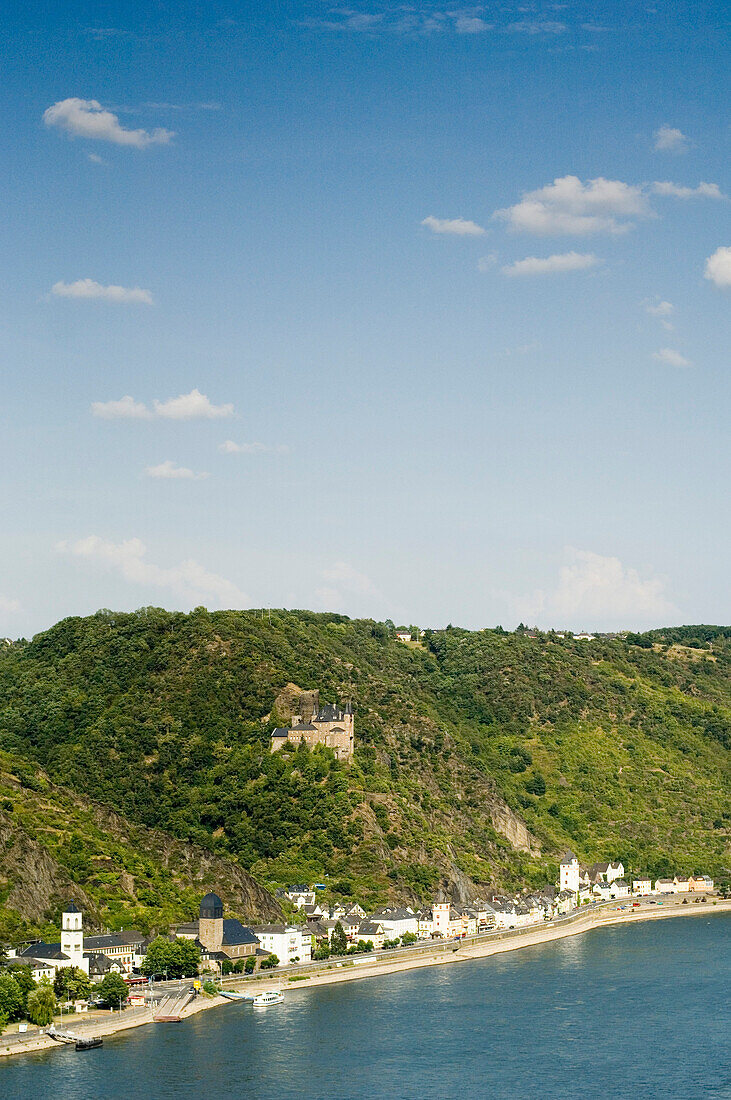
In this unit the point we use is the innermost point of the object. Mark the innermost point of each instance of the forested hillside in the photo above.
(480, 755)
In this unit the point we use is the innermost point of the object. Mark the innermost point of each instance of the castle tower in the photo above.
(210, 922)
(72, 937)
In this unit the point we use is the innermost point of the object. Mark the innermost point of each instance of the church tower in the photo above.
(72, 937)
(210, 922)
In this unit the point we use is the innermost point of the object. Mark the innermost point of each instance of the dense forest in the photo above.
(615, 747)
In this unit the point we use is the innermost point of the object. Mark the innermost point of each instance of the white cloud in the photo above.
(459, 227)
(191, 406)
(188, 406)
(229, 447)
(87, 118)
(189, 581)
(88, 288)
(124, 409)
(670, 140)
(96, 159)
(551, 265)
(485, 263)
(169, 470)
(470, 24)
(592, 590)
(657, 307)
(528, 26)
(671, 357)
(674, 190)
(718, 267)
(8, 606)
(570, 207)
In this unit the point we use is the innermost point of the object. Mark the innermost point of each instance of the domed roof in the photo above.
(211, 907)
(71, 908)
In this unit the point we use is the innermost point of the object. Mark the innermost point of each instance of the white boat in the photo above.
(264, 1000)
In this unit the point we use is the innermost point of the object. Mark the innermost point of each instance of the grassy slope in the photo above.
(164, 717)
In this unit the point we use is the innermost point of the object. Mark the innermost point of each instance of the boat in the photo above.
(264, 1000)
(234, 995)
(89, 1044)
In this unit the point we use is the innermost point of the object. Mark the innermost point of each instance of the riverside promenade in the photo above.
(378, 964)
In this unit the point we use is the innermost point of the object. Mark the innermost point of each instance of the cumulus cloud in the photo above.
(593, 590)
(229, 447)
(87, 118)
(657, 307)
(551, 265)
(668, 139)
(124, 409)
(671, 357)
(189, 581)
(485, 263)
(88, 288)
(470, 24)
(8, 606)
(536, 26)
(718, 267)
(188, 406)
(569, 206)
(346, 588)
(191, 406)
(458, 227)
(170, 470)
(675, 191)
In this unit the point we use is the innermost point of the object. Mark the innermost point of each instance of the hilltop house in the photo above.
(318, 725)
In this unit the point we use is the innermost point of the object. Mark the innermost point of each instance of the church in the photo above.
(217, 936)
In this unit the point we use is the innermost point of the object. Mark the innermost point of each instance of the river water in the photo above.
(636, 1012)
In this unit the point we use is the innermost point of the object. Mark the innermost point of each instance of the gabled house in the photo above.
(396, 921)
(642, 886)
(374, 931)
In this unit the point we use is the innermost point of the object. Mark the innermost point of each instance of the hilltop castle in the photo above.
(319, 725)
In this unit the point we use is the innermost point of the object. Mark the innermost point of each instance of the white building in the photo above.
(287, 941)
(396, 922)
(665, 886)
(569, 873)
(69, 952)
(642, 886)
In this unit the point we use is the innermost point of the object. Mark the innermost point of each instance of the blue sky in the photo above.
(416, 311)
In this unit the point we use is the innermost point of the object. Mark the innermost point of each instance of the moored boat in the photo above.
(264, 1000)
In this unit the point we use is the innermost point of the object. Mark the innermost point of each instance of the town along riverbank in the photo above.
(638, 1009)
(363, 966)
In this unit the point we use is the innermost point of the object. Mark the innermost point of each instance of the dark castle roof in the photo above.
(211, 907)
(71, 908)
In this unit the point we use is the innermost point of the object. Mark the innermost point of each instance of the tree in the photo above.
(11, 999)
(269, 962)
(536, 784)
(250, 964)
(338, 940)
(176, 958)
(227, 967)
(23, 977)
(408, 937)
(322, 951)
(42, 1003)
(113, 989)
(71, 983)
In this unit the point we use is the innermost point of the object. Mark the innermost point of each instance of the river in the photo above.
(640, 1011)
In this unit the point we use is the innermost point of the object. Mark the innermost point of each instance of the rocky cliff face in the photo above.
(35, 882)
(513, 828)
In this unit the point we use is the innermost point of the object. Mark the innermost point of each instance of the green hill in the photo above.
(480, 754)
